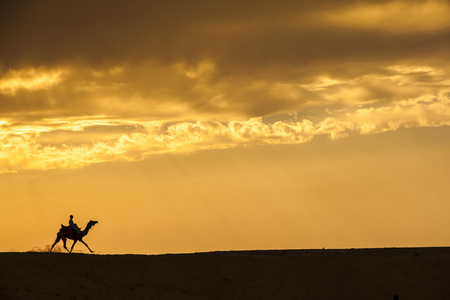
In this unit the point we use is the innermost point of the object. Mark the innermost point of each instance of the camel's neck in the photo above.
(86, 230)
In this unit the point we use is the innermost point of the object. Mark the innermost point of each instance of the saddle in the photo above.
(67, 228)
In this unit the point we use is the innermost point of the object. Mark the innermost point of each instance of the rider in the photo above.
(73, 225)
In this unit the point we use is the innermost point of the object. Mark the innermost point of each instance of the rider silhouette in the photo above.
(73, 225)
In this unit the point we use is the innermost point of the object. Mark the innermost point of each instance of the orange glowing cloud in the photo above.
(394, 16)
(43, 147)
(135, 84)
(32, 79)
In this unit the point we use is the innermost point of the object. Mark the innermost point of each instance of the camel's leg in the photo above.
(86, 246)
(65, 247)
(56, 242)
(73, 245)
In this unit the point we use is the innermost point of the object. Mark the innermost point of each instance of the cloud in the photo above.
(89, 82)
(182, 92)
(137, 141)
(395, 16)
(251, 37)
(29, 79)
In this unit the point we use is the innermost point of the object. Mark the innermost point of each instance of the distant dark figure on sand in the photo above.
(73, 232)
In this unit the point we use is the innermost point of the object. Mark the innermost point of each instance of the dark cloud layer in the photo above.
(170, 60)
(240, 36)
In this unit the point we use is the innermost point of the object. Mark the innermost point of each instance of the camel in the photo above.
(68, 233)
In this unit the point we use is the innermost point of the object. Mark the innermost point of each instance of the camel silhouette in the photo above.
(68, 233)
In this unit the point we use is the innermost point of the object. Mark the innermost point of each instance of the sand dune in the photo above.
(409, 273)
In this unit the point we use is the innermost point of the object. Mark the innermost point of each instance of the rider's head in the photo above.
(71, 216)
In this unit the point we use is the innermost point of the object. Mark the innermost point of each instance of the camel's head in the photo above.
(92, 223)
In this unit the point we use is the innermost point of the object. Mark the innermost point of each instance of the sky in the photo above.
(190, 126)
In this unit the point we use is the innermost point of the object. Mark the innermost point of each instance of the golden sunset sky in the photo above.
(188, 126)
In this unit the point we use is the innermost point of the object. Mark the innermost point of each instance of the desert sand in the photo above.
(405, 273)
